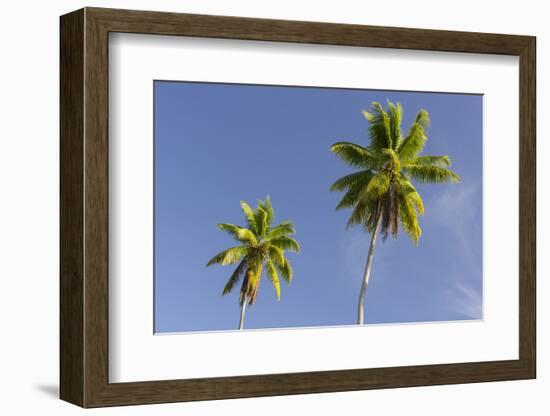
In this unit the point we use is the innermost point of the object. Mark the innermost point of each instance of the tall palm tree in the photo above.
(261, 245)
(381, 192)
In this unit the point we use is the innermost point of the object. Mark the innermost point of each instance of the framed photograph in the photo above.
(255, 207)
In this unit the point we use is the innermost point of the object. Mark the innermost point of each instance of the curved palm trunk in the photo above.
(243, 310)
(366, 273)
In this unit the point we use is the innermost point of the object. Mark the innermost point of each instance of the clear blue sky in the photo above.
(217, 144)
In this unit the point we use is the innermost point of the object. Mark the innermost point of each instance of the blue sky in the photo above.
(217, 144)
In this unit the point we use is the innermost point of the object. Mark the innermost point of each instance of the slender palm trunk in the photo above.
(366, 273)
(243, 311)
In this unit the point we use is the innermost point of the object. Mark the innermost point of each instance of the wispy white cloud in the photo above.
(456, 210)
(465, 300)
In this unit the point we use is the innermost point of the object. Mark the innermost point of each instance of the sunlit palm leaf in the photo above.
(407, 190)
(393, 159)
(379, 128)
(230, 256)
(249, 214)
(268, 208)
(409, 219)
(431, 174)
(347, 181)
(356, 191)
(441, 161)
(261, 220)
(354, 154)
(284, 228)
(277, 255)
(285, 270)
(396, 115)
(423, 118)
(274, 278)
(413, 143)
(240, 234)
(286, 243)
(378, 185)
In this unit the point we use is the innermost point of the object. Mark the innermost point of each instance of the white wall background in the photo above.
(29, 84)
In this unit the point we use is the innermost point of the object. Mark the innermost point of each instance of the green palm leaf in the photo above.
(393, 159)
(407, 190)
(235, 277)
(354, 154)
(285, 270)
(409, 219)
(250, 218)
(441, 161)
(230, 256)
(396, 115)
(413, 143)
(378, 185)
(356, 191)
(277, 255)
(379, 128)
(261, 216)
(431, 173)
(243, 235)
(284, 228)
(268, 208)
(345, 182)
(274, 278)
(286, 243)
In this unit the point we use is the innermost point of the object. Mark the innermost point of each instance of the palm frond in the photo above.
(407, 190)
(286, 243)
(363, 213)
(431, 173)
(285, 270)
(413, 143)
(241, 234)
(274, 278)
(268, 208)
(284, 228)
(277, 254)
(378, 185)
(235, 277)
(423, 118)
(396, 115)
(441, 161)
(355, 192)
(379, 128)
(251, 283)
(354, 154)
(409, 219)
(261, 220)
(249, 214)
(363, 176)
(230, 256)
(393, 159)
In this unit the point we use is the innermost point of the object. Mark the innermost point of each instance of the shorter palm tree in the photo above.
(262, 246)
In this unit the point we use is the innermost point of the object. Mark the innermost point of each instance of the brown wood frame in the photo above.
(84, 208)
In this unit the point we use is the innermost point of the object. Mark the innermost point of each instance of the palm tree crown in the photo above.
(381, 192)
(261, 245)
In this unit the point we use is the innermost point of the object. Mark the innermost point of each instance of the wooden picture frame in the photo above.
(84, 207)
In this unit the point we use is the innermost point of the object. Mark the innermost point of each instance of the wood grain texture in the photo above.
(71, 213)
(84, 207)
